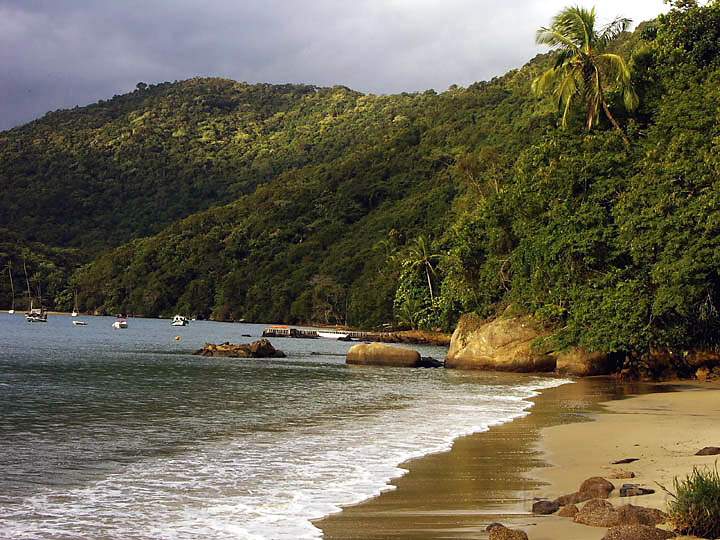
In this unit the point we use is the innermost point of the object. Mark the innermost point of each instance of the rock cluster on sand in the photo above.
(545, 507)
(379, 354)
(504, 344)
(592, 488)
(257, 349)
(501, 532)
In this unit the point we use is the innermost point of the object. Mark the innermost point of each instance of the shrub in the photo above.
(694, 508)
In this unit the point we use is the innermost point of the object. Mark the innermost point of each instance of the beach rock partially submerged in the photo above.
(257, 349)
(379, 354)
(545, 507)
(501, 532)
(503, 344)
(637, 532)
(598, 513)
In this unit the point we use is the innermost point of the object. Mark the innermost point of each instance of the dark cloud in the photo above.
(62, 53)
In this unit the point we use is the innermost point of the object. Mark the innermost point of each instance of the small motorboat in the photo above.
(179, 320)
(333, 335)
(120, 323)
(79, 323)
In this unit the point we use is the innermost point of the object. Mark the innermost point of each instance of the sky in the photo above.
(61, 53)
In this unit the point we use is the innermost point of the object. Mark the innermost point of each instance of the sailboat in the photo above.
(75, 307)
(12, 289)
(34, 315)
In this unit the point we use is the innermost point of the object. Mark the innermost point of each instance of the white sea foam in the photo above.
(269, 484)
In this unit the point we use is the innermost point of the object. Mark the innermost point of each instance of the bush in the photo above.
(695, 506)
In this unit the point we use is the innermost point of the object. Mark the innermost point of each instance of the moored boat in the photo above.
(79, 323)
(179, 320)
(120, 324)
(332, 335)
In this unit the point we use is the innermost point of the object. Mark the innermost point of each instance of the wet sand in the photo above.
(486, 477)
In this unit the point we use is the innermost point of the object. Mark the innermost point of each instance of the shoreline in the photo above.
(495, 475)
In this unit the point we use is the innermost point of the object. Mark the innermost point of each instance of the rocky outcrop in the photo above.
(637, 532)
(257, 349)
(569, 511)
(379, 354)
(501, 532)
(580, 363)
(504, 344)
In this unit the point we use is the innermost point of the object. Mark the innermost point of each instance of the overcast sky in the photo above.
(60, 53)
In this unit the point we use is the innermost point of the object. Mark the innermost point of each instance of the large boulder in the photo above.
(637, 532)
(598, 513)
(258, 349)
(379, 354)
(504, 344)
(580, 363)
(596, 488)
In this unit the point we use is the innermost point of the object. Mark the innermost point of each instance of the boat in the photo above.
(120, 323)
(332, 335)
(75, 307)
(79, 323)
(179, 320)
(34, 315)
(11, 311)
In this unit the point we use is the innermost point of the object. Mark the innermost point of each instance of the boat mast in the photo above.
(27, 281)
(12, 287)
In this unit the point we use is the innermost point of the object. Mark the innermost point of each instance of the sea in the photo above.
(125, 434)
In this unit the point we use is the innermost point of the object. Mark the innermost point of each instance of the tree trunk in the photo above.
(427, 273)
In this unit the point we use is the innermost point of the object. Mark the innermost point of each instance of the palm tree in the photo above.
(419, 256)
(584, 70)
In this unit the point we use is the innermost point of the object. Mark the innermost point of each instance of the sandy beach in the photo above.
(573, 432)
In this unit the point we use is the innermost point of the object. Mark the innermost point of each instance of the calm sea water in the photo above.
(123, 434)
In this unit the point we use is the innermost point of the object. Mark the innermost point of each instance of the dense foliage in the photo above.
(694, 507)
(411, 208)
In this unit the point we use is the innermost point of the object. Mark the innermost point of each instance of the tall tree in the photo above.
(584, 70)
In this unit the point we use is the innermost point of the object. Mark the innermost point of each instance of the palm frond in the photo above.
(611, 31)
(541, 83)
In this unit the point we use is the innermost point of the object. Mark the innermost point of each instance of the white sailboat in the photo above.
(34, 315)
(11, 311)
(75, 307)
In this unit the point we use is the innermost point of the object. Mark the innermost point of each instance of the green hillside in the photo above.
(301, 204)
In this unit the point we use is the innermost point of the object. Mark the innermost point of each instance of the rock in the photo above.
(708, 451)
(597, 513)
(581, 363)
(633, 490)
(703, 374)
(700, 358)
(501, 532)
(572, 498)
(504, 344)
(637, 532)
(640, 515)
(545, 507)
(258, 349)
(569, 511)
(379, 354)
(621, 474)
(625, 461)
(596, 488)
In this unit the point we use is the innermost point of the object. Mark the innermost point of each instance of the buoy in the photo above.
(177, 338)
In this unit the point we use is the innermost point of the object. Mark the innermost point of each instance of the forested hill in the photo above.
(409, 209)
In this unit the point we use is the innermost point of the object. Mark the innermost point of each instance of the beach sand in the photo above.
(569, 436)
